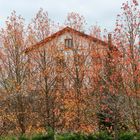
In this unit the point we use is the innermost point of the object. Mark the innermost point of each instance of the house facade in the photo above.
(65, 68)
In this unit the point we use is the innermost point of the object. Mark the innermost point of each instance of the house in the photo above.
(70, 45)
(67, 37)
(65, 68)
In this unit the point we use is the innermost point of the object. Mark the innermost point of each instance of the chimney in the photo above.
(110, 41)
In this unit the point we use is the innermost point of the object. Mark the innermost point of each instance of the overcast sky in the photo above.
(102, 12)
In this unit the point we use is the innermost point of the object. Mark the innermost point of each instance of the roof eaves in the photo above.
(68, 29)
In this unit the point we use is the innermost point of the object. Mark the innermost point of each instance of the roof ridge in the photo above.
(52, 36)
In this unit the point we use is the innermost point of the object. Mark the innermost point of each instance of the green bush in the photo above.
(8, 138)
(102, 136)
(40, 137)
(66, 137)
(97, 136)
(137, 136)
(71, 136)
(23, 137)
(126, 136)
(76, 136)
(90, 137)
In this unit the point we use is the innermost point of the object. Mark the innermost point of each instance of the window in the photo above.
(69, 43)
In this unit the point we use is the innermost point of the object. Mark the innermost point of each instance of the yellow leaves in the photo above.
(46, 72)
(33, 129)
(9, 117)
(87, 128)
(18, 88)
(69, 116)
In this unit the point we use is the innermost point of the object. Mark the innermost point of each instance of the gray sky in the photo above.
(102, 12)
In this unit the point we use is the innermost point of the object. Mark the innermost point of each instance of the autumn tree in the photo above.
(127, 40)
(107, 81)
(41, 65)
(13, 68)
(76, 21)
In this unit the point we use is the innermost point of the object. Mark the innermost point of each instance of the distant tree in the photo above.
(76, 21)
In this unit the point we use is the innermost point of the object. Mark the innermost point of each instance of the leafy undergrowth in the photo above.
(76, 136)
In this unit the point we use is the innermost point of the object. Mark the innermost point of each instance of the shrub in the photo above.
(72, 136)
(90, 137)
(40, 137)
(8, 138)
(23, 137)
(137, 136)
(77, 136)
(126, 136)
(97, 136)
(101, 136)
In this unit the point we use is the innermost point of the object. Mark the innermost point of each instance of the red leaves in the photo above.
(74, 83)
(107, 120)
(135, 2)
(95, 31)
(75, 21)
